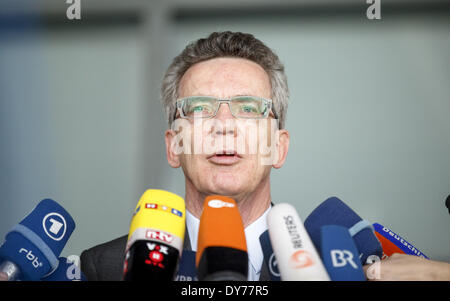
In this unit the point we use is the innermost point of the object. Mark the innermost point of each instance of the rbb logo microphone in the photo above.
(32, 247)
(296, 256)
(333, 211)
(155, 240)
(221, 248)
(394, 243)
(340, 255)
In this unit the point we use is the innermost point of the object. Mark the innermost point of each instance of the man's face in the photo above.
(229, 169)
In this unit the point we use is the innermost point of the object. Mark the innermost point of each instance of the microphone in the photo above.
(447, 204)
(269, 257)
(335, 212)
(67, 270)
(187, 270)
(340, 255)
(296, 256)
(394, 243)
(222, 247)
(32, 247)
(155, 240)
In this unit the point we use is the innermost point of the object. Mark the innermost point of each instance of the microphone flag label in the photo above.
(394, 243)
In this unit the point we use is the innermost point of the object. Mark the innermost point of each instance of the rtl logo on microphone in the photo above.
(163, 208)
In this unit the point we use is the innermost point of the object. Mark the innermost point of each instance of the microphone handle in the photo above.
(10, 269)
(150, 260)
(225, 276)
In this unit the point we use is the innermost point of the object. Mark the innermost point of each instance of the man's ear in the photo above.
(282, 148)
(173, 157)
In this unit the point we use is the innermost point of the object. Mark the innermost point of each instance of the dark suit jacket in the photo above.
(105, 262)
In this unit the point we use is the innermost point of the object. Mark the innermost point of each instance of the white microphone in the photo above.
(296, 255)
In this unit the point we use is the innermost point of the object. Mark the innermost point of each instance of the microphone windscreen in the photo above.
(221, 246)
(335, 212)
(156, 237)
(159, 215)
(296, 255)
(340, 255)
(36, 242)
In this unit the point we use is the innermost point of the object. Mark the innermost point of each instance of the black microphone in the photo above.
(447, 204)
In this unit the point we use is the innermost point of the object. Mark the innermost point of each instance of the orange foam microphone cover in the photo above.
(222, 248)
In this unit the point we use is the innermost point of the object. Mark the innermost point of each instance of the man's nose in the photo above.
(225, 121)
(224, 112)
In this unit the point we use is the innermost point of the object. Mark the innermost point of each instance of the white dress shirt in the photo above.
(252, 233)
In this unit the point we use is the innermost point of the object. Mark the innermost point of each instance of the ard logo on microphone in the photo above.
(54, 225)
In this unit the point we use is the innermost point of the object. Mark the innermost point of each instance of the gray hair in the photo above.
(227, 44)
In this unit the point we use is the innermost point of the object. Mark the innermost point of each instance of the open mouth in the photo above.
(224, 157)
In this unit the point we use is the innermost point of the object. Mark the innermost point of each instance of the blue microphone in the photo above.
(335, 212)
(187, 270)
(269, 257)
(340, 255)
(31, 249)
(67, 270)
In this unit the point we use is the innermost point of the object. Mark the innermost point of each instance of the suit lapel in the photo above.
(187, 241)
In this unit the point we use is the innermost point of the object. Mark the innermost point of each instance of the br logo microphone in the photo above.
(333, 211)
(340, 254)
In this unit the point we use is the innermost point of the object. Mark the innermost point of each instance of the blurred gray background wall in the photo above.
(81, 121)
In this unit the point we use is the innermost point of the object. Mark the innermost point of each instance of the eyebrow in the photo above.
(237, 95)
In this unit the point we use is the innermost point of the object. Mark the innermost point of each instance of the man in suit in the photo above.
(213, 93)
(224, 96)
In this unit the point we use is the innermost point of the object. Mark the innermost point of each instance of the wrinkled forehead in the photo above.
(225, 78)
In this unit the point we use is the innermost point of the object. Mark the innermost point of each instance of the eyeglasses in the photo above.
(251, 107)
